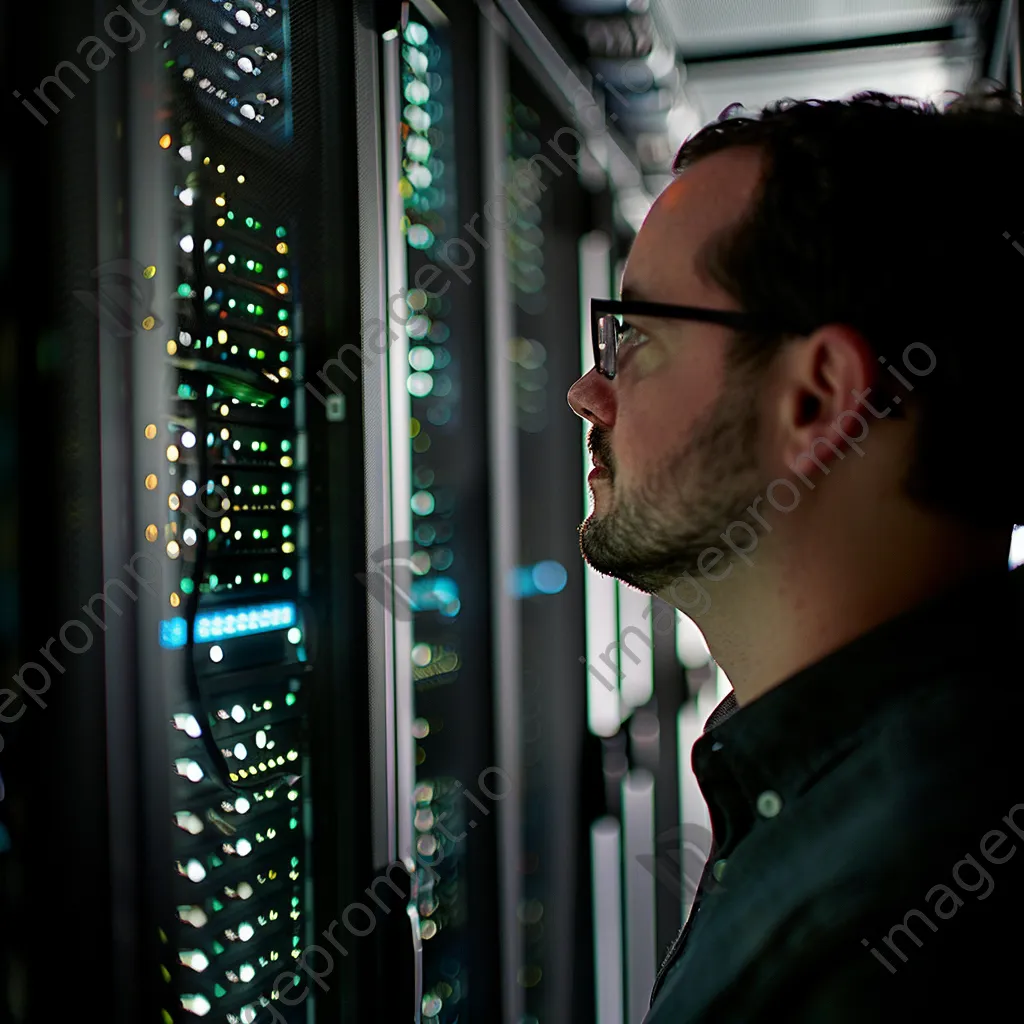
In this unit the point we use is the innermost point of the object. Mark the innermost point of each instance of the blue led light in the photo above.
(548, 577)
(436, 592)
(244, 621)
(173, 633)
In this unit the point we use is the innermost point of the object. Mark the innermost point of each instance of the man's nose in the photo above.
(592, 398)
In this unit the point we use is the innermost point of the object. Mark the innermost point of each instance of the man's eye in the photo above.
(631, 337)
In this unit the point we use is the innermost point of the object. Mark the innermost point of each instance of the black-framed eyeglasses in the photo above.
(609, 329)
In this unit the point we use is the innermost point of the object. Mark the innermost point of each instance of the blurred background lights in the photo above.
(1017, 547)
(420, 384)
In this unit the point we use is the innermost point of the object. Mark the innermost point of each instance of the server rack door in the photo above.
(437, 558)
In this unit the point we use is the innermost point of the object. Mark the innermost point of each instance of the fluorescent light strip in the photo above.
(603, 715)
(636, 662)
(693, 811)
(606, 890)
(641, 940)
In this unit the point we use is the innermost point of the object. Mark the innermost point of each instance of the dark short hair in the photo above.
(891, 214)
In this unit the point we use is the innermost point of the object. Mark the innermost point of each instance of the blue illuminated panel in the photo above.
(231, 622)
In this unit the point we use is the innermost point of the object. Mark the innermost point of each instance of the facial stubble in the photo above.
(656, 534)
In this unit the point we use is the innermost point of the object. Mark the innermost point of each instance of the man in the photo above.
(823, 472)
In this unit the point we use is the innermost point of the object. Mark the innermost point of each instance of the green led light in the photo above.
(285, 403)
(249, 222)
(282, 314)
(281, 233)
(263, 489)
(295, 860)
(286, 446)
(187, 586)
(290, 700)
(266, 577)
(282, 273)
(293, 822)
(219, 991)
(260, 354)
(217, 947)
(231, 215)
(286, 531)
(286, 488)
(295, 901)
(184, 290)
(283, 355)
(214, 579)
(286, 573)
(264, 534)
(415, 33)
(263, 446)
(252, 353)
(184, 391)
(209, 390)
(256, 577)
(216, 904)
(211, 533)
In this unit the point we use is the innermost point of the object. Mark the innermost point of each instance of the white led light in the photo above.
(195, 871)
(188, 725)
(189, 536)
(188, 488)
(241, 805)
(246, 931)
(261, 739)
(246, 972)
(294, 635)
(188, 439)
(194, 958)
(240, 752)
(197, 1004)
(187, 243)
(238, 713)
(186, 195)
(216, 653)
(188, 822)
(243, 848)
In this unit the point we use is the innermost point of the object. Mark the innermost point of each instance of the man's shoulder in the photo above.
(918, 821)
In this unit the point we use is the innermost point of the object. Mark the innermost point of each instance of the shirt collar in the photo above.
(787, 737)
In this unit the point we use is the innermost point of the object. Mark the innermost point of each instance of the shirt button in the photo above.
(769, 803)
(719, 869)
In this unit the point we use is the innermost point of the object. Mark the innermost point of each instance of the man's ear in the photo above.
(821, 386)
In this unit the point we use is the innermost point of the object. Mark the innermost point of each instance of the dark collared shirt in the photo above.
(867, 818)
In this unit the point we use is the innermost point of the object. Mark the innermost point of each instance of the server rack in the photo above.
(201, 756)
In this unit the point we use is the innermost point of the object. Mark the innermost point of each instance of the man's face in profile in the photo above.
(676, 429)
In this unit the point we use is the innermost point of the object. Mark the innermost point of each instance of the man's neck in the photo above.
(789, 615)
